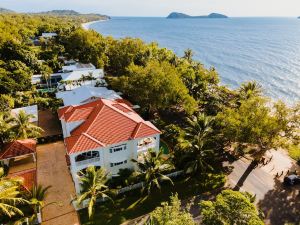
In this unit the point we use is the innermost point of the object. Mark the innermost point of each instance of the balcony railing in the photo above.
(88, 161)
(144, 148)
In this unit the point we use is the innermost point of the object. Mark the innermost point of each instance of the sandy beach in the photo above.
(86, 26)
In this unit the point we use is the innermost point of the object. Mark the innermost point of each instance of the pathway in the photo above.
(52, 170)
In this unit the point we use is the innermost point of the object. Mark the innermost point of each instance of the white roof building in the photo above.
(48, 35)
(33, 109)
(78, 67)
(77, 75)
(84, 94)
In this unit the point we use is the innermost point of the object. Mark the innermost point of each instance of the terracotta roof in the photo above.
(109, 122)
(18, 148)
(28, 177)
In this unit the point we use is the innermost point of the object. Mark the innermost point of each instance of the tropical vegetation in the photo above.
(230, 207)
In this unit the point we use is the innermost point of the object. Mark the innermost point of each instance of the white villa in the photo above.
(77, 67)
(79, 78)
(84, 94)
(105, 133)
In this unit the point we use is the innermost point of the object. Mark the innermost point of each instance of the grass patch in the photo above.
(116, 213)
(294, 152)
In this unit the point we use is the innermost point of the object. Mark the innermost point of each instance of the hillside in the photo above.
(72, 13)
(3, 10)
(176, 15)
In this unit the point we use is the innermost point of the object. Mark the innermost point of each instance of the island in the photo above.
(177, 15)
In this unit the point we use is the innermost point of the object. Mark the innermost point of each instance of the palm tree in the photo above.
(196, 144)
(37, 197)
(5, 127)
(23, 128)
(188, 55)
(46, 74)
(93, 183)
(9, 196)
(250, 89)
(151, 167)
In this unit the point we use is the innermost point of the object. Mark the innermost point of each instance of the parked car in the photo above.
(292, 180)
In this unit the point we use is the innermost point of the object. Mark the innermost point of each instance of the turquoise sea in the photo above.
(263, 49)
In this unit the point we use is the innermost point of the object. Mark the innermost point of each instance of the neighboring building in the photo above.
(107, 134)
(79, 78)
(18, 149)
(84, 94)
(70, 80)
(33, 110)
(40, 82)
(71, 66)
(48, 35)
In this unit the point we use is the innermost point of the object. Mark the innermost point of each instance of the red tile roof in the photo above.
(28, 177)
(106, 122)
(18, 148)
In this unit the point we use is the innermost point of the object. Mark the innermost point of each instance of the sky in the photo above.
(233, 8)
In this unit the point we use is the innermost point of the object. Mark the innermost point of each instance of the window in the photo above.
(117, 148)
(118, 163)
(87, 155)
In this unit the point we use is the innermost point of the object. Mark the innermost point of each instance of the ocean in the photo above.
(241, 49)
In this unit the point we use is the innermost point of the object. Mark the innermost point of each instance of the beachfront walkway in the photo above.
(52, 170)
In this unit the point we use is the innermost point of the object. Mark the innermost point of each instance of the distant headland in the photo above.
(177, 15)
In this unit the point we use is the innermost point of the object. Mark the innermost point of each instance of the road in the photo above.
(280, 204)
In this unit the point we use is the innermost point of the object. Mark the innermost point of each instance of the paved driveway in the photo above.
(52, 170)
(280, 204)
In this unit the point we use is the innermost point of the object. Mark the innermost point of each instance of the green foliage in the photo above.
(156, 86)
(294, 151)
(93, 183)
(171, 214)
(254, 123)
(230, 207)
(152, 167)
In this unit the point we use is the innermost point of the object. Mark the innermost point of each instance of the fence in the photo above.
(123, 190)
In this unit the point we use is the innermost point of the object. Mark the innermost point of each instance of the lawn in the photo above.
(116, 213)
(294, 152)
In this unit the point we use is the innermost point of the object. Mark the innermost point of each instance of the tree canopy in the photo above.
(230, 207)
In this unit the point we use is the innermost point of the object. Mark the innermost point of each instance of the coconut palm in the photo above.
(93, 183)
(151, 167)
(23, 128)
(250, 89)
(9, 196)
(196, 143)
(188, 54)
(5, 127)
(37, 197)
(199, 127)
(46, 74)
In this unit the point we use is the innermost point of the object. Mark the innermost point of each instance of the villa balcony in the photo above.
(87, 161)
(146, 144)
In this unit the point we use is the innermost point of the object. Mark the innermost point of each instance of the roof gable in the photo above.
(109, 122)
(18, 148)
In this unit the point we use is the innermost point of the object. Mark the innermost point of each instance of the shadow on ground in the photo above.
(282, 204)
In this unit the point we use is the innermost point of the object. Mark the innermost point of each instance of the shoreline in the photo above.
(86, 26)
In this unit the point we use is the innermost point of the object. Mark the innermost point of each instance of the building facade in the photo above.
(107, 134)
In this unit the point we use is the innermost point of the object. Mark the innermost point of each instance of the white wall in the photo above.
(106, 158)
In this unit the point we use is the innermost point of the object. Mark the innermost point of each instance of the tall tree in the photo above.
(93, 184)
(171, 214)
(230, 207)
(188, 55)
(151, 166)
(23, 128)
(250, 89)
(157, 86)
(10, 199)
